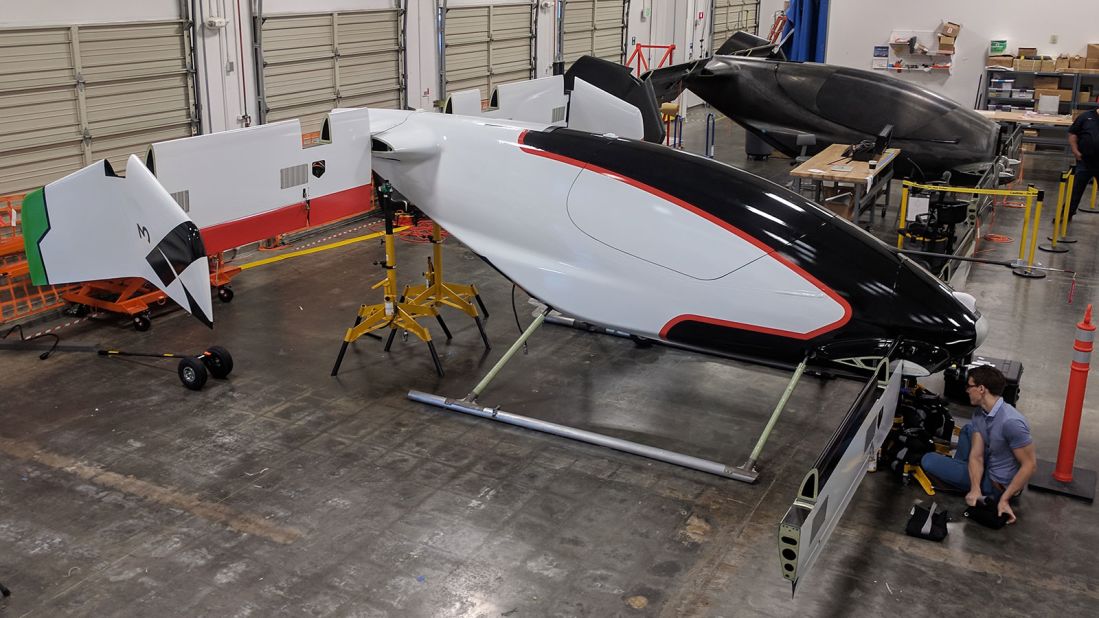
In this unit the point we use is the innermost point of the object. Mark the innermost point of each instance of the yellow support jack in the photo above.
(436, 292)
(917, 473)
(391, 313)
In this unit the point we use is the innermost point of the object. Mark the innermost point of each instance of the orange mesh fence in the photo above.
(18, 298)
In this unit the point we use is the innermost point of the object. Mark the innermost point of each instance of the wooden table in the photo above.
(867, 184)
(1027, 118)
(1013, 137)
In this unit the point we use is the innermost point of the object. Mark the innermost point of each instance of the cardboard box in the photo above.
(1064, 95)
(1002, 61)
(1091, 63)
(1084, 96)
(1023, 64)
(1093, 50)
(950, 29)
(946, 44)
(1048, 65)
(1046, 82)
(1061, 63)
(1077, 62)
(1025, 52)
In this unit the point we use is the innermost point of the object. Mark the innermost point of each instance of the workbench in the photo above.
(1015, 137)
(866, 184)
(1027, 118)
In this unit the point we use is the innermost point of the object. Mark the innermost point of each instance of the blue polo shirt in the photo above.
(1003, 429)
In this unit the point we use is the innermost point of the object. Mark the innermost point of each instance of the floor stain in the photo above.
(697, 529)
(213, 511)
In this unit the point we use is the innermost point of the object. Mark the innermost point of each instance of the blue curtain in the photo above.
(809, 20)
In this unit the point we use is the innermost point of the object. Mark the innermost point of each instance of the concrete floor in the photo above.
(283, 491)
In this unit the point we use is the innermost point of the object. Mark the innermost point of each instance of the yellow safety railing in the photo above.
(1031, 194)
(1060, 216)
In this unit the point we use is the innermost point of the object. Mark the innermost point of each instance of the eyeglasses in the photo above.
(969, 386)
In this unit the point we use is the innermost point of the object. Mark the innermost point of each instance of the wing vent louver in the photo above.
(183, 198)
(294, 175)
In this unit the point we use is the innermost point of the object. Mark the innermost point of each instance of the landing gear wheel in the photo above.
(225, 294)
(192, 373)
(142, 323)
(218, 361)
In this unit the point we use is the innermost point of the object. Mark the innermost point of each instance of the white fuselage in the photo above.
(590, 243)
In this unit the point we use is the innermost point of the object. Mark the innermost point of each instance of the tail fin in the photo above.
(619, 81)
(94, 224)
(667, 82)
(746, 44)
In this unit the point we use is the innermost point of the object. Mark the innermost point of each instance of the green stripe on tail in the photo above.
(35, 225)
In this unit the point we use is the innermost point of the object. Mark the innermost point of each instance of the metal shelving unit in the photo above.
(1049, 140)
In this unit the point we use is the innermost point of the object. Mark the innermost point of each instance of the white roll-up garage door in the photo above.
(314, 62)
(488, 45)
(70, 95)
(733, 15)
(595, 28)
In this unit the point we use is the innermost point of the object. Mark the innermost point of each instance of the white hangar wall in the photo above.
(856, 26)
(53, 12)
(128, 61)
(82, 81)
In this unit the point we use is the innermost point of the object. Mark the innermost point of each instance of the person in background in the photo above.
(1083, 138)
(995, 455)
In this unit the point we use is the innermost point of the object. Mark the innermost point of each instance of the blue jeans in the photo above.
(954, 471)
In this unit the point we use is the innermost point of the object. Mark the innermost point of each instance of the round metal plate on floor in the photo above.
(1029, 274)
(1050, 248)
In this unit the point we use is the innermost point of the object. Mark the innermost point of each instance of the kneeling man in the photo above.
(995, 455)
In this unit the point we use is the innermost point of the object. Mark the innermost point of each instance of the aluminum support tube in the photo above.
(561, 320)
(659, 454)
(774, 415)
(483, 384)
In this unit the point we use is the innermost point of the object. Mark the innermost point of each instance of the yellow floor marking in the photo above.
(166, 496)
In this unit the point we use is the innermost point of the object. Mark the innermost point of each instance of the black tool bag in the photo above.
(927, 522)
(985, 514)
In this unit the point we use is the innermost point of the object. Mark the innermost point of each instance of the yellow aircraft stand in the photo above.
(436, 292)
(391, 313)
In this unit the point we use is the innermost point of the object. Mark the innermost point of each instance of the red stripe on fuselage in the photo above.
(728, 227)
(341, 204)
(323, 209)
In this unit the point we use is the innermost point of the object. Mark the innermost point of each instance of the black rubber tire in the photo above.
(142, 323)
(218, 361)
(225, 294)
(192, 373)
(81, 310)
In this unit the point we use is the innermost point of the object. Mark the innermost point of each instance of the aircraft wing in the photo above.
(829, 486)
(94, 224)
